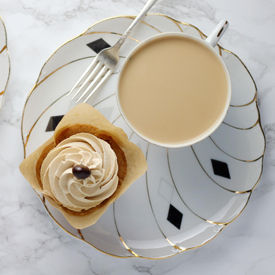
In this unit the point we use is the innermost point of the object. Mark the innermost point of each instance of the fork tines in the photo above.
(90, 81)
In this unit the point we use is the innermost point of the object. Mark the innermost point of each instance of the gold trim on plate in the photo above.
(5, 30)
(231, 156)
(241, 128)
(5, 48)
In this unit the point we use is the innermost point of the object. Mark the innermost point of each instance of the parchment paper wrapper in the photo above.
(85, 119)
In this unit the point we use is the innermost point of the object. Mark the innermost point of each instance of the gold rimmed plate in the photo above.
(188, 195)
(4, 62)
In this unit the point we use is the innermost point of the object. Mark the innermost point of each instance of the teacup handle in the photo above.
(217, 33)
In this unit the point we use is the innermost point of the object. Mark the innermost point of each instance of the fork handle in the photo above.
(142, 13)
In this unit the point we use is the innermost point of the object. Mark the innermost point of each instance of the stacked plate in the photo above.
(4, 62)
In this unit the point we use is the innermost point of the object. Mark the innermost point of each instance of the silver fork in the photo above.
(104, 64)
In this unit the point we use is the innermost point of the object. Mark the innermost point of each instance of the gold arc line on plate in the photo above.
(127, 247)
(5, 30)
(241, 128)
(261, 127)
(230, 52)
(124, 244)
(231, 156)
(245, 104)
(220, 51)
(80, 234)
(5, 47)
(8, 78)
(227, 189)
(183, 201)
(258, 121)
(175, 246)
(176, 22)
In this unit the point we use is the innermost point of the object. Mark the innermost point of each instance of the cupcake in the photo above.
(85, 166)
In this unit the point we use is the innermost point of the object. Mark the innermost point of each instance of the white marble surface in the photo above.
(30, 243)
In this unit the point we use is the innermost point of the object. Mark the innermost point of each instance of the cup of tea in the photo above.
(174, 89)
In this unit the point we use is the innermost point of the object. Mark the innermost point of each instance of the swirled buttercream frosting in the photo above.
(76, 194)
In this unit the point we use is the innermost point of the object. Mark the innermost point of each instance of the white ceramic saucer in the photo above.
(4, 62)
(188, 195)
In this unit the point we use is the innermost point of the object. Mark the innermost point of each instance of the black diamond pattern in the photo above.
(174, 216)
(53, 122)
(98, 45)
(220, 168)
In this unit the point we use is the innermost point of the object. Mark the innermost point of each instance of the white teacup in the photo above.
(208, 43)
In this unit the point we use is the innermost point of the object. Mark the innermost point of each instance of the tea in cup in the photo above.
(174, 89)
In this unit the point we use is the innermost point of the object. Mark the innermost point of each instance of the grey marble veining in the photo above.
(31, 243)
